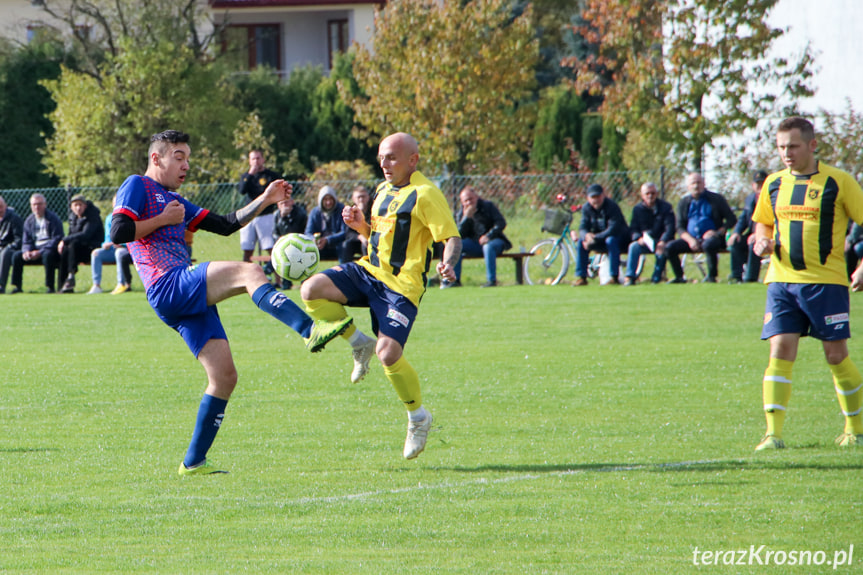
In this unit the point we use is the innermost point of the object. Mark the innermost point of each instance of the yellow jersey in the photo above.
(405, 223)
(809, 215)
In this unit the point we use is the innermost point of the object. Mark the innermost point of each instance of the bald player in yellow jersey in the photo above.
(801, 220)
(409, 214)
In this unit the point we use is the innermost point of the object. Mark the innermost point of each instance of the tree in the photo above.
(24, 105)
(557, 134)
(103, 124)
(458, 76)
(689, 70)
(98, 28)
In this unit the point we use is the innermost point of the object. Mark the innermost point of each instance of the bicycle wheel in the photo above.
(547, 264)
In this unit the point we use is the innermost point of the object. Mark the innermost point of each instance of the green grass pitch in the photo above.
(591, 430)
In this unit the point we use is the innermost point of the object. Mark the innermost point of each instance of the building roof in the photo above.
(286, 3)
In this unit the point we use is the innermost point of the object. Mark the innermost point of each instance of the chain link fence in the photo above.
(512, 193)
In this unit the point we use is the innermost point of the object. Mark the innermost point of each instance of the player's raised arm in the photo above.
(277, 191)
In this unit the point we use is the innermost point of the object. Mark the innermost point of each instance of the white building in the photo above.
(283, 34)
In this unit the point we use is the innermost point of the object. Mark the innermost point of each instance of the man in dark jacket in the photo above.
(703, 217)
(43, 231)
(86, 232)
(11, 230)
(740, 242)
(252, 184)
(651, 228)
(480, 225)
(603, 229)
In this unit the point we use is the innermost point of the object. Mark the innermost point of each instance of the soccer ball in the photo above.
(295, 257)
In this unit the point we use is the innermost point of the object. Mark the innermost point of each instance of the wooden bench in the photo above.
(517, 257)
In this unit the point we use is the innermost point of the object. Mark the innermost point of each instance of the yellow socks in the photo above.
(777, 393)
(849, 390)
(326, 310)
(406, 382)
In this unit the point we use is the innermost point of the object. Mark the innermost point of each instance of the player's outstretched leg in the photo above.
(363, 346)
(316, 333)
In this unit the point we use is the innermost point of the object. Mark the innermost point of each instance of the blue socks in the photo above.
(210, 415)
(278, 305)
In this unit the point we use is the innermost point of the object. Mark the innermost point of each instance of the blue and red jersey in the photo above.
(142, 198)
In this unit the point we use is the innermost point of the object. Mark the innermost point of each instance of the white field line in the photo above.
(509, 479)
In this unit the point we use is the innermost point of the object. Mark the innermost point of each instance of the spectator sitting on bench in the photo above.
(651, 228)
(742, 239)
(481, 226)
(110, 253)
(326, 225)
(11, 231)
(85, 234)
(43, 230)
(703, 217)
(602, 229)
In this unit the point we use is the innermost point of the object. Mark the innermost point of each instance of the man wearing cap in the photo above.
(703, 217)
(43, 231)
(85, 235)
(603, 229)
(742, 239)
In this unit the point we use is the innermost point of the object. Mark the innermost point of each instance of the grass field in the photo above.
(591, 430)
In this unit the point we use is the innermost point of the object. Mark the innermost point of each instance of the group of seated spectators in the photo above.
(40, 240)
(703, 223)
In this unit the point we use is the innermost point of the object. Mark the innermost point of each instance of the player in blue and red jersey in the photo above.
(152, 218)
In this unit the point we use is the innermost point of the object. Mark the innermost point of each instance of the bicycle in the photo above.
(548, 261)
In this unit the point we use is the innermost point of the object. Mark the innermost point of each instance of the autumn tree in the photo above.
(458, 76)
(685, 72)
(102, 125)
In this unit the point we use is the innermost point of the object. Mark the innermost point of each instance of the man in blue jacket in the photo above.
(325, 224)
(651, 228)
(43, 231)
(603, 229)
(742, 239)
(703, 217)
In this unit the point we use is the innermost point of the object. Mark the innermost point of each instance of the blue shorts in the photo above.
(180, 300)
(819, 310)
(392, 313)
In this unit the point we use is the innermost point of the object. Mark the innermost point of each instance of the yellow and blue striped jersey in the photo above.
(809, 215)
(405, 223)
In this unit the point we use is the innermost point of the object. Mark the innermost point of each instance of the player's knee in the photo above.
(388, 351)
(310, 289)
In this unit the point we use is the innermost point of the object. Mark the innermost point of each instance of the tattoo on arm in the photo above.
(248, 212)
(452, 251)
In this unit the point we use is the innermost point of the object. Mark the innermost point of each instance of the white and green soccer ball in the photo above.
(295, 256)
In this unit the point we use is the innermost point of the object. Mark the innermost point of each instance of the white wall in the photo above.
(835, 30)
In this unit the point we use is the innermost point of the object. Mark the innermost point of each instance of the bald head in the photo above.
(398, 155)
